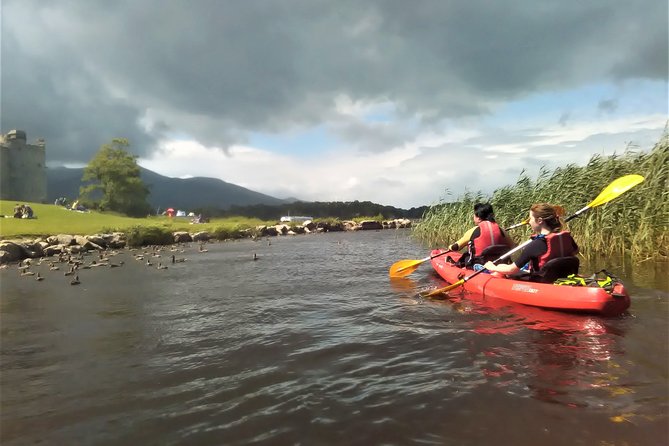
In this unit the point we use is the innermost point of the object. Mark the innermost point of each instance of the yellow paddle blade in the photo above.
(403, 268)
(446, 289)
(615, 189)
(517, 225)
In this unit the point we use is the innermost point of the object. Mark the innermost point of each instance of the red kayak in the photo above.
(584, 299)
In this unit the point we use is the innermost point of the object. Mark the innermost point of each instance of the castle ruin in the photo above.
(22, 168)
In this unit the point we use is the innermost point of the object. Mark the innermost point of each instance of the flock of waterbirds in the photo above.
(151, 256)
(73, 264)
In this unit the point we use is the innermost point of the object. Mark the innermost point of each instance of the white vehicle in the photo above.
(295, 219)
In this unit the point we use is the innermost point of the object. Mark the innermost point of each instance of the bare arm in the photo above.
(503, 268)
(532, 250)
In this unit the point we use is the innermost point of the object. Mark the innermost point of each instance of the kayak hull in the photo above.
(583, 299)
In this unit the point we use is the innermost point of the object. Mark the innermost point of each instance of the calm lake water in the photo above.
(313, 344)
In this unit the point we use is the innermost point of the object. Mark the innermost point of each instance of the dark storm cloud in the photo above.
(370, 137)
(53, 101)
(607, 105)
(81, 72)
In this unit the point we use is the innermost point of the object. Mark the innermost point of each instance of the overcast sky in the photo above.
(396, 102)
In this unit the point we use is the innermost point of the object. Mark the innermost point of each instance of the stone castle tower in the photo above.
(22, 168)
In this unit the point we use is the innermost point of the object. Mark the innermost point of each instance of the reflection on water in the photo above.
(559, 366)
(648, 274)
(313, 344)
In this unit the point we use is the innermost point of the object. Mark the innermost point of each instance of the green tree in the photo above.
(114, 174)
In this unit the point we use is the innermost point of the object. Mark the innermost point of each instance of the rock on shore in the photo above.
(17, 250)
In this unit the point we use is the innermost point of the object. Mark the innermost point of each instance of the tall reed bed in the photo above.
(636, 223)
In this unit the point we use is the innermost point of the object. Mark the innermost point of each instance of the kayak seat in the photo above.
(557, 268)
(494, 252)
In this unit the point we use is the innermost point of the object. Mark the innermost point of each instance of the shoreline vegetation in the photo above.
(636, 225)
(57, 230)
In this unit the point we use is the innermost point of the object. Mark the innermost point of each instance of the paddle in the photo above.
(522, 223)
(613, 190)
(403, 268)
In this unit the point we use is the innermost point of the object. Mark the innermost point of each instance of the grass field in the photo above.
(52, 219)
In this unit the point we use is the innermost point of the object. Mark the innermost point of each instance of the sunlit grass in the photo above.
(635, 223)
(52, 219)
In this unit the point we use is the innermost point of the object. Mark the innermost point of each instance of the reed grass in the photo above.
(634, 224)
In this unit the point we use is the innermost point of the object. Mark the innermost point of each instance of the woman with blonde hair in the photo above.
(548, 243)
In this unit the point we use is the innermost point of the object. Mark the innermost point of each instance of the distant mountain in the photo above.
(164, 192)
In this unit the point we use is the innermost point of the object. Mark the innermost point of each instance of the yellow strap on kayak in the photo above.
(606, 282)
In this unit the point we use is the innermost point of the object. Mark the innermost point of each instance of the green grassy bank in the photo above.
(636, 223)
(52, 219)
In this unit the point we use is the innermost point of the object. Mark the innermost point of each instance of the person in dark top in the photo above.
(548, 242)
(18, 211)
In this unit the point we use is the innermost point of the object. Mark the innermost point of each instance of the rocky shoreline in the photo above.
(55, 245)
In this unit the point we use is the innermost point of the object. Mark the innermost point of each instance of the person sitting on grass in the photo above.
(18, 211)
(27, 211)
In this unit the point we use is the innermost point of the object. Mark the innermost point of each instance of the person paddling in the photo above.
(548, 243)
(486, 233)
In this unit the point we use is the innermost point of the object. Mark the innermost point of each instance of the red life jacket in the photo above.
(491, 234)
(559, 244)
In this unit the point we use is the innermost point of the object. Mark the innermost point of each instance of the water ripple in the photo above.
(312, 344)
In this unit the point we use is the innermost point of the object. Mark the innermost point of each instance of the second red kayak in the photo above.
(544, 295)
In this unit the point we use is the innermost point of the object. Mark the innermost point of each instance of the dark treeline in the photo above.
(336, 209)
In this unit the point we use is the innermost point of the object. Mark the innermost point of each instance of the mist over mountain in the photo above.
(217, 198)
(164, 192)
